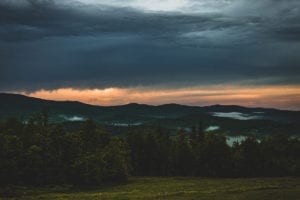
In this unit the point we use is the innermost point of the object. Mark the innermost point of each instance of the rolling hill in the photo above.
(231, 120)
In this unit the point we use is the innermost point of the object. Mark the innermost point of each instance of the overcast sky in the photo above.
(158, 44)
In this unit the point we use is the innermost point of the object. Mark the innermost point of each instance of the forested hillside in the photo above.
(41, 153)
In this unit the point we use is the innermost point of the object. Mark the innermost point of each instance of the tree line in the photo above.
(36, 152)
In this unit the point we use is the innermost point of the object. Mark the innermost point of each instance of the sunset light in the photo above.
(284, 97)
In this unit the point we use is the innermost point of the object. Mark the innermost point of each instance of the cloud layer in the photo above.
(51, 44)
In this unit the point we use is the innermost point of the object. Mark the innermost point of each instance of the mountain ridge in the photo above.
(228, 119)
(138, 104)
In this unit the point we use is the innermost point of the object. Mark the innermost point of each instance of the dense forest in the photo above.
(39, 153)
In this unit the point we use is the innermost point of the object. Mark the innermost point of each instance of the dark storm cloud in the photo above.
(46, 18)
(43, 20)
(51, 44)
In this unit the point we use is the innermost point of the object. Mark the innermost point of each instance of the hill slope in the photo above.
(228, 119)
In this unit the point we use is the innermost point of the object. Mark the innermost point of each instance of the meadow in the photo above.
(175, 188)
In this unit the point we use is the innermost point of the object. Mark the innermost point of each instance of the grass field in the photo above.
(178, 188)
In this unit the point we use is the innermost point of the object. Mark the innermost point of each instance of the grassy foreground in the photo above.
(180, 188)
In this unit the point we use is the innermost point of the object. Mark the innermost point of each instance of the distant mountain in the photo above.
(233, 119)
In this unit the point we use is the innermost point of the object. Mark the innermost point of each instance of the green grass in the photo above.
(179, 188)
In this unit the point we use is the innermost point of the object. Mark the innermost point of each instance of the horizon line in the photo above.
(145, 104)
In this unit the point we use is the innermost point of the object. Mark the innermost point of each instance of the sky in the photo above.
(194, 52)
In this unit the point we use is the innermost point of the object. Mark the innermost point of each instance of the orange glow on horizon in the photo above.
(284, 97)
